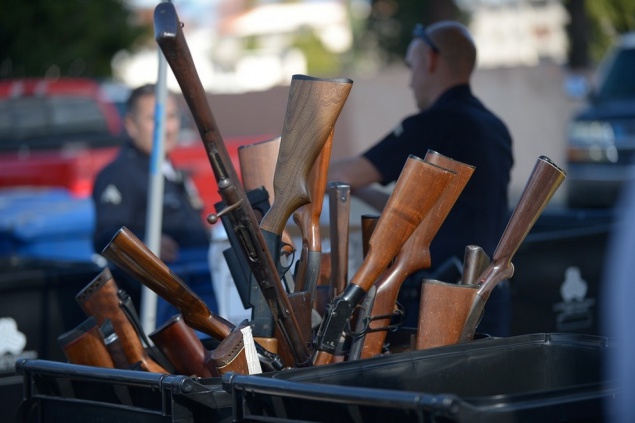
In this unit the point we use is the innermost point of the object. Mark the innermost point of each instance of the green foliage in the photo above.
(389, 27)
(390, 24)
(607, 20)
(320, 61)
(65, 37)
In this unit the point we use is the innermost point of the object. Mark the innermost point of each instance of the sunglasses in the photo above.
(419, 31)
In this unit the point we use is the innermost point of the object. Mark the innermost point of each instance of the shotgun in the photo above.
(412, 257)
(324, 288)
(257, 167)
(236, 260)
(114, 346)
(368, 224)
(543, 182)
(307, 218)
(179, 343)
(312, 109)
(133, 256)
(171, 40)
(85, 345)
(99, 299)
(459, 307)
(407, 206)
(475, 261)
(340, 215)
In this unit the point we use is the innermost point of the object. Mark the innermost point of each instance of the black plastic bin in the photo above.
(37, 304)
(60, 392)
(529, 378)
(557, 281)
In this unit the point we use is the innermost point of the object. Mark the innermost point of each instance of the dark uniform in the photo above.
(459, 126)
(120, 195)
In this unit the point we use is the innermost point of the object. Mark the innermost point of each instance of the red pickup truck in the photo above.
(61, 132)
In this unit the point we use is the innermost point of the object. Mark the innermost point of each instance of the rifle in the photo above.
(236, 261)
(307, 218)
(406, 208)
(179, 343)
(339, 212)
(170, 38)
(475, 261)
(134, 257)
(333, 268)
(257, 167)
(312, 110)
(113, 345)
(460, 307)
(85, 345)
(369, 222)
(324, 289)
(412, 257)
(99, 299)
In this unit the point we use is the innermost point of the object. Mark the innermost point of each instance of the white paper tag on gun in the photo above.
(253, 363)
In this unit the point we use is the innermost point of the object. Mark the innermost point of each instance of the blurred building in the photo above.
(518, 32)
(239, 48)
(242, 48)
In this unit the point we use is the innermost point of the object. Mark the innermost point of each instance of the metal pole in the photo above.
(154, 216)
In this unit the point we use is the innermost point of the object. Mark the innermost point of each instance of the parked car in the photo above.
(601, 137)
(61, 132)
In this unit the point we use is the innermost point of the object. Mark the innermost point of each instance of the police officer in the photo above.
(453, 122)
(120, 191)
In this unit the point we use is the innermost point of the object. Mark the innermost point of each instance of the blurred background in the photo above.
(558, 72)
(246, 52)
(539, 67)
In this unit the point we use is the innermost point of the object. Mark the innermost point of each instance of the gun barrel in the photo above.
(171, 40)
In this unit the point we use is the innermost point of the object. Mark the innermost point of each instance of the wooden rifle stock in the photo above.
(99, 299)
(459, 307)
(412, 257)
(406, 208)
(369, 223)
(180, 345)
(257, 167)
(134, 257)
(313, 107)
(84, 345)
(171, 40)
(307, 218)
(543, 182)
(324, 289)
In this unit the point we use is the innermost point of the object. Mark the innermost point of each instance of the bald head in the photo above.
(456, 46)
(440, 58)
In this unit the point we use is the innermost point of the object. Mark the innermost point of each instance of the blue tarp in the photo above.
(46, 224)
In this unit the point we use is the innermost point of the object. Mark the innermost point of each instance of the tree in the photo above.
(64, 38)
(608, 19)
(594, 27)
(389, 27)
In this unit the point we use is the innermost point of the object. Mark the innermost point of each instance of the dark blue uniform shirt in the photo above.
(457, 125)
(120, 195)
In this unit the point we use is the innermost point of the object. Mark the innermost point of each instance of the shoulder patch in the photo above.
(398, 130)
(110, 195)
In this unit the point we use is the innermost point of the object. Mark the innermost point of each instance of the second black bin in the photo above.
(528, 378)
